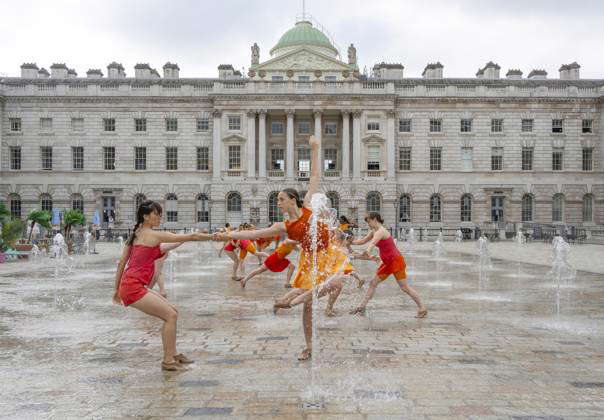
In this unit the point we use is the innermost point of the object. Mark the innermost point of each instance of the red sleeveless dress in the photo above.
(392, 260)
(139, 273)
(277, 261)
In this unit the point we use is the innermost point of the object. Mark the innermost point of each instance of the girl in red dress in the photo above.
(244, 247)
(135, 273)
(393, 263)
(276, 262)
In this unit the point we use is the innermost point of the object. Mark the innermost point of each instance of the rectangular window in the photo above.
(234, 157)
(436, 125)
(404, 159)
(171, 216)
(331, 129)
(404, 125)
(277, 78)
(527, 126)
(435, 158)
(77, 124)
(373, 158)
(15, 124)
(277, 127)
(109, 124)
(527, 158)
(373, 126)
(330, 78)
(557, 126)
(587, 126)
(77, 204)
(203, 124)
(278, 159)
(171, 158)
(15, 209)
(77, 158)
(496, 125)
(140, 158)
(497, 158)
(330, 159)
(45, 125)
(234, 123)
(171, 124)
(558, 158)
(304, 160)
(588, 154)
(15, 158)
(303, 127)
(466, 126)
(109, 158)
(140, 124)
(467, 158)
(203, 158)
(303, 78)
(46, 157)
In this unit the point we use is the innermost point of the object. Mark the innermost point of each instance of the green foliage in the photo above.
(11, 233)
(73, 218)
(4, 213)
(40, 217)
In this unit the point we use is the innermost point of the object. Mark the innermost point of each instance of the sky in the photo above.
(201, 34)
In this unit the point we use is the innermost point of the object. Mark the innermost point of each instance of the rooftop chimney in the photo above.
(171, 70)
(514, 74)
(142, 71)
(71, 74)
(225, 71)
(58, 71)
(29, 71)
(94, 74)
(43, 74)
(388, 71)
(115, 71)
(538, 74)
(433, 71)
(570, 71)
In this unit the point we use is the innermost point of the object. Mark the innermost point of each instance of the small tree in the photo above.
(73, 218)
(40, 217)
(11, 232)
(4, 213)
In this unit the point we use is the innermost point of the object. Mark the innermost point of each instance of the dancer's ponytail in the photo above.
(146, 207)
(292, 193)
(130, 240)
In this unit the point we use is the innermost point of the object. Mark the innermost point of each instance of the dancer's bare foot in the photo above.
(172, 366)
(280, 305)
(360, 283)
(359, 310)
(243, 282)
(330, 313)
(422, 313)
(182, 359)
(234, 278)
(305, 355)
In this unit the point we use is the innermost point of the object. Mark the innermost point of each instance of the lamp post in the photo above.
(396, 204)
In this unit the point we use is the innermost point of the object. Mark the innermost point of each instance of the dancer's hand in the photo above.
(313, 142)
(221, 237)
(116, 297)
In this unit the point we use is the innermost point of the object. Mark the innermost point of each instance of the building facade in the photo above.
(429, 151)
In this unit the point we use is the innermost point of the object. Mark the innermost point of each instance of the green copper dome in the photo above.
(304, 34)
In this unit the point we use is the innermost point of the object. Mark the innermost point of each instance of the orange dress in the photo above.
(330, 259)
(246, 246)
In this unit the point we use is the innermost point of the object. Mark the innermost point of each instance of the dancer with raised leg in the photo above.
(276, 262)
(393, 263)
(135, 273)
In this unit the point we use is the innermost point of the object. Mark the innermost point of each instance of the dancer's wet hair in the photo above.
(146, 207)
(374, 216)
(344, 220)
(292, 193)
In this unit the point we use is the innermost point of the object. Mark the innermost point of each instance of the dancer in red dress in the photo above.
(276, 262)
(393, 263)
(142, 250)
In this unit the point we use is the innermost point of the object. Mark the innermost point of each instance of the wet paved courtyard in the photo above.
(490, 348)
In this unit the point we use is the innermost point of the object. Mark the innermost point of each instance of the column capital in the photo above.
(356, 113)
(346, 112)
(391, 113)
(317, 112)
(251, 113)
(217, 113)
(290, 112)
(261, 112)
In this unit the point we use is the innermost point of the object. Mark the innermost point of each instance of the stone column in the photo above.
(345, 144)
(390, 146)
(318, 113)
(289, 149)
(216, 144)
(262, 143)
(356, 144)
(251, 144)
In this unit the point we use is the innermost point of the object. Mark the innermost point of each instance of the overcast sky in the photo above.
(199, 34)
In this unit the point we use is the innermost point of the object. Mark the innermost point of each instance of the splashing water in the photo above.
(484, 255)
(561, 270)
(458, 235)
(438, 249)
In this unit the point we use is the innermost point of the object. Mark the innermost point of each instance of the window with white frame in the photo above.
(77, 158)
(140, 124)
(46, 202)
(587, 159)
(527, 208)
(203, 158)
(330, 159)
(234, 202)
(171, 208)
(15, 206)
(587, 126)
(234, 157)
(46, 157)
(234, 122)
(404, 208)
(435, 158)
(330, 78)
(108, 124)
(373, 157)
(496, 125)
(203, 124)
(277, 128)
(588, 203)
(331, 128)
(404, 125)
(171, 158)
(557, 158)
(15, 124)
(278, 159)
(467, 158)
(277, 78)
(77, 124)
(303, 78)
(436, 125)
(466, 126)
(557, 126)
(109, 158)
(435, 208)
(15, 158)
(171, 124)
(527, 158)
(466, 208)
(203, 208)
(527, 125)
(77, 202)
(496, 158)
(303, 127)
(304, 160)
(45, 125)
(140, 158)
(374, 202)
(558, 208)
(373, 125)
(404, 158)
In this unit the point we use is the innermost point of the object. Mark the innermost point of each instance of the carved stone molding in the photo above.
(290, 111)
(217, 113)
(357, 114)
(251, 114)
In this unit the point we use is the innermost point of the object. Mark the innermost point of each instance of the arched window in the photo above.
(138, 200)
(558, 208)
(203, 208)
(46, 202)
(77, 202)
(171, 208)
(334, 200)
(15, 206)
(588, 203)
(274, 214)
(404, 208)
(466, 208)
(234, 202)
(527, 208)
(435, 207)
(374, 202)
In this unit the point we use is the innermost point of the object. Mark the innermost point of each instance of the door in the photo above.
(108, 211)
(497, 209)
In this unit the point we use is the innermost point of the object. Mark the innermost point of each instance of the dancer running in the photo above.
(244, 247)
(276, 262)
(329, 259)
(393, 263)
(142, 250)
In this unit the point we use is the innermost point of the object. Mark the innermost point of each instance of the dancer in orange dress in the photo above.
(393, 263)
(142, 250)
(244, 247)
(276, 262)
(329, 259)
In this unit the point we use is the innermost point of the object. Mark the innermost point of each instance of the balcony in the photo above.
(303, 175)
(276, 173)
(331, 173)
(232, 173)
(374, 174)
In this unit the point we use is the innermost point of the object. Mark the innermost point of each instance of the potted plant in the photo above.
(72, 218)
(11, 232)
(40, 217)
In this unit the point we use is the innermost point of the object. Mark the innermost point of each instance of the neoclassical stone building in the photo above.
(430, 151)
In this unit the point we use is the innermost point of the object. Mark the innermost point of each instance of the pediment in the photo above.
(373, 138)
(303, 59)
(233, 138)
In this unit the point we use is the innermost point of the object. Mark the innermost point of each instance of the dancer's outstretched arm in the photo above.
(252, 234)
(169, 247)
(364, 240)
(315, 170)
(377, 236)
(168, 237)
